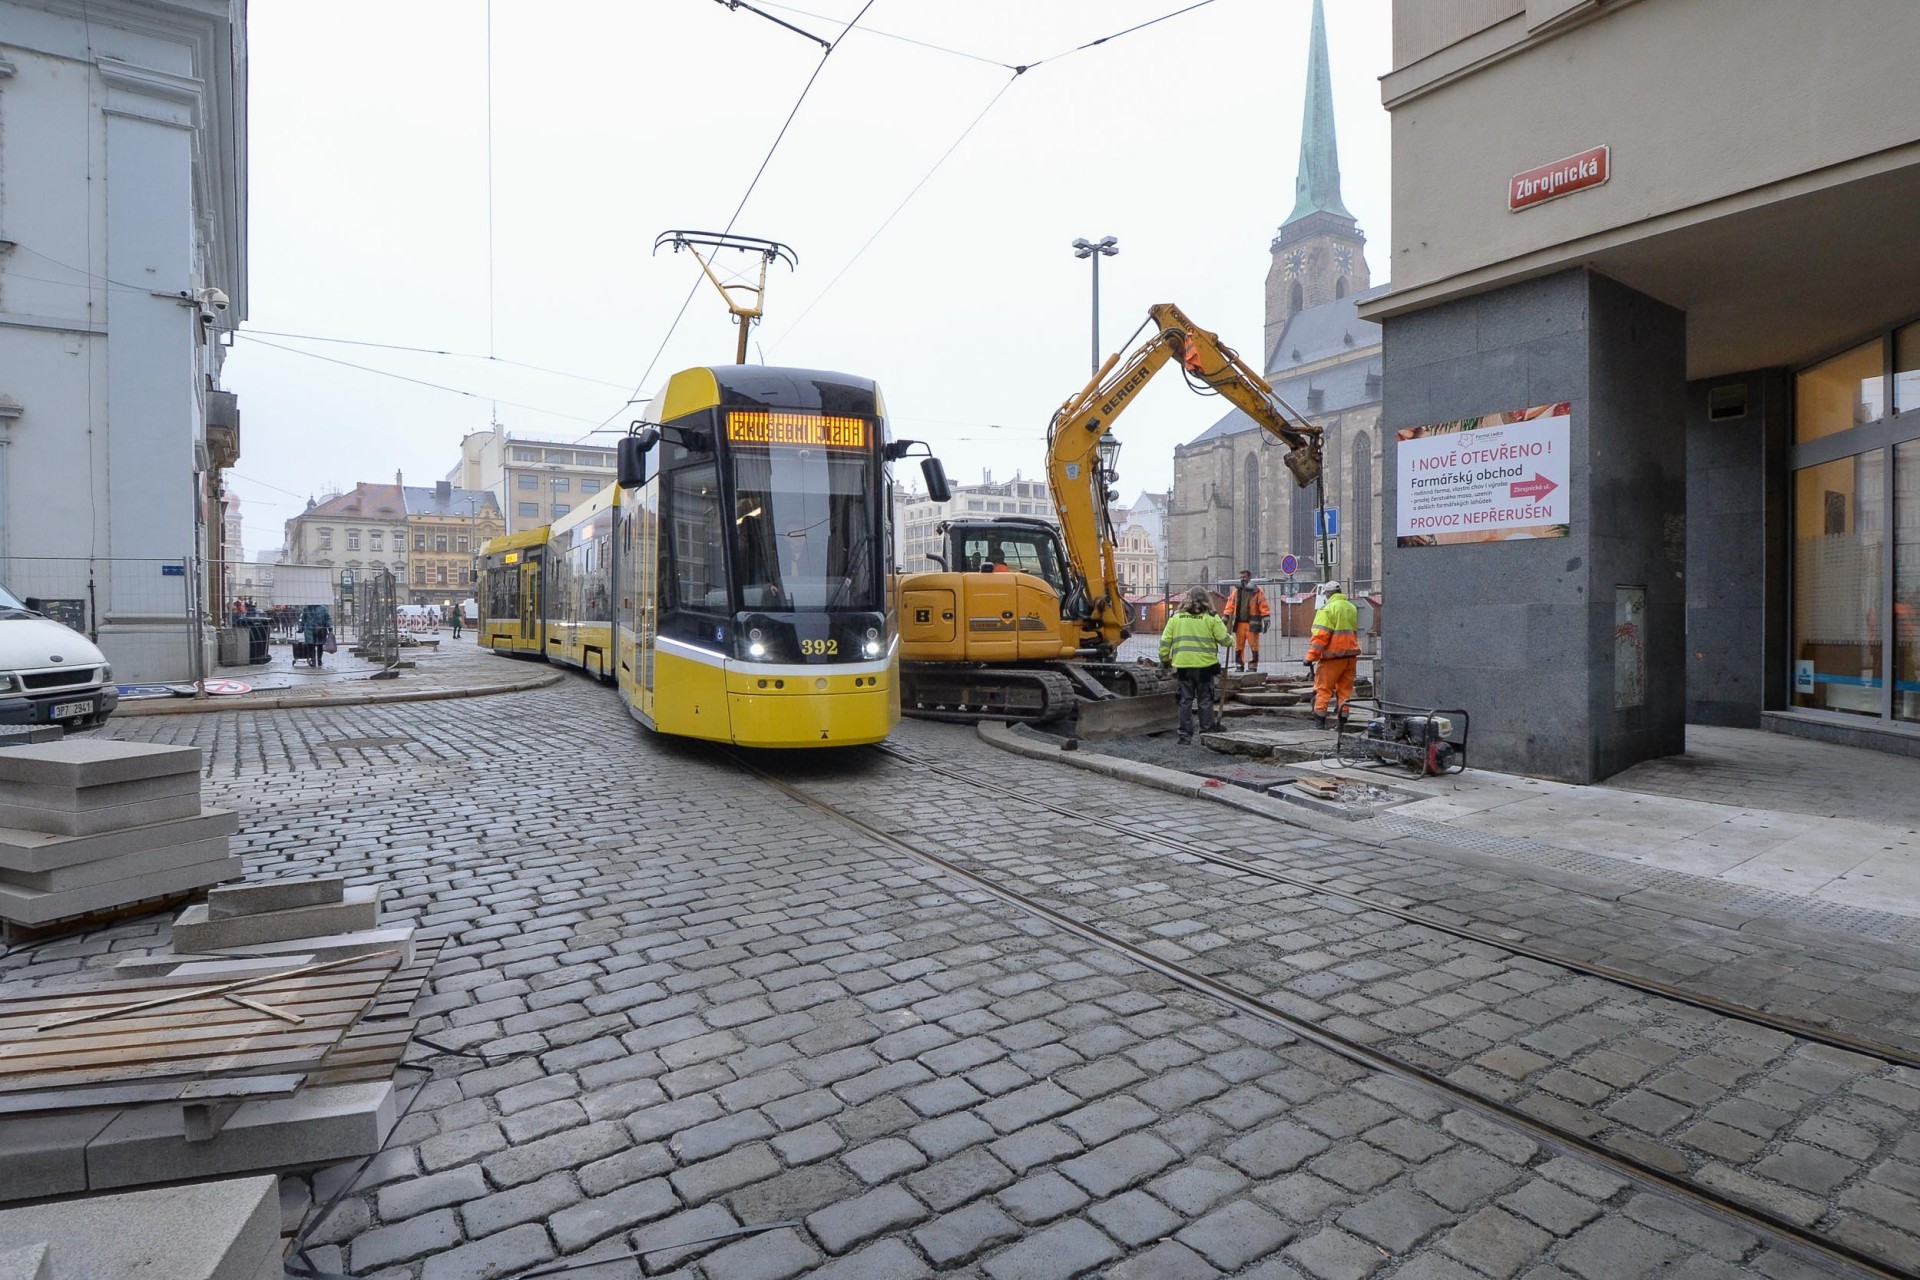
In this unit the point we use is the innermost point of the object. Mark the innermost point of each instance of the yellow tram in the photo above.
(512, 616)
(734, 581)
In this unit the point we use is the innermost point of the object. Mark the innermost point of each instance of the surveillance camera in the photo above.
(212, 300)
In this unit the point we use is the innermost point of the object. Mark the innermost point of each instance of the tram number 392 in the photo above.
(829, 648)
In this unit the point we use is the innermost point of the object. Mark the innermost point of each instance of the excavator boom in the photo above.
(1080, 483)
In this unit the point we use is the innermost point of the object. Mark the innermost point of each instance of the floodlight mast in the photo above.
(745, 301)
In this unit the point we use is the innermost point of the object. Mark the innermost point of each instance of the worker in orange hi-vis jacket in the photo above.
(1333, 653)
(1246, 614)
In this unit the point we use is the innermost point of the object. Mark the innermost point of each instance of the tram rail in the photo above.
(1805, 1240)
(1795, 1027)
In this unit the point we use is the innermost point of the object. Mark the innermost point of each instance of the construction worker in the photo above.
(1248, 611)
(1333, 653)
(1191, 644)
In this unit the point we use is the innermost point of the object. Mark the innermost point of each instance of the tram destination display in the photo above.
(824, 430)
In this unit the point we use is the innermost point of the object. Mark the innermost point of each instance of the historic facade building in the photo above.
(1235, 505)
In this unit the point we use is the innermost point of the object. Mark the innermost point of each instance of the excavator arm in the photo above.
(1080, 483)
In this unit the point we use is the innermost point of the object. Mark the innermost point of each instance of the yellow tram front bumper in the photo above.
(817, 707)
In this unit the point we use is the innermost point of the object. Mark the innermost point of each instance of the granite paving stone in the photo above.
(780, 1018)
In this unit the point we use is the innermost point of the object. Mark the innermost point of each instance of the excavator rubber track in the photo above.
(1070, 697)
(970, 695)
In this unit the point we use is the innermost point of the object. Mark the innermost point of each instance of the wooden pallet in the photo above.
(177, 1029)
(373, 1047)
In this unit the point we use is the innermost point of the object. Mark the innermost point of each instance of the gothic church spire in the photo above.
(1317, 186)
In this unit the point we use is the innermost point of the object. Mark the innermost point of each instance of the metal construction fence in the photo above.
(378, 598)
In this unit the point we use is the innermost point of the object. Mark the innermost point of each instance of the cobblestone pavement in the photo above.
(708, 1006)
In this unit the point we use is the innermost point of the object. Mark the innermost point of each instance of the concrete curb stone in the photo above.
(244, 702)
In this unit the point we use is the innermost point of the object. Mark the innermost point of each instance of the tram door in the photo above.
(646, 589)
(530, 600)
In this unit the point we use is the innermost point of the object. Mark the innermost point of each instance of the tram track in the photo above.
(1797, 1236)
(1795, 1027)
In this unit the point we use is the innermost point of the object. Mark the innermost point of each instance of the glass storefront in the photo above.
(1906, 581)
(1856, 532)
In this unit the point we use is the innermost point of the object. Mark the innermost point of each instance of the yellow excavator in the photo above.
(1024, 622)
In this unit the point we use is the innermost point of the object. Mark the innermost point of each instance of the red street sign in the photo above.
(1561, 178)
(1538, 487)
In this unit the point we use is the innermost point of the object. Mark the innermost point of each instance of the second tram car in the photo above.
(734, 582)
(512, 615)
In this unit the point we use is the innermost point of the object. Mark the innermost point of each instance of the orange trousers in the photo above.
(1333, 677)
(1243, 636)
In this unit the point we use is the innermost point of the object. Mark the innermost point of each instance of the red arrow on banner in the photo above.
(1538, 487)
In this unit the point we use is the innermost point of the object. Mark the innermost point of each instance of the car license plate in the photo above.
(67, 710)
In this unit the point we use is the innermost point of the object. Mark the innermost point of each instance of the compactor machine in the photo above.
(1024, 622)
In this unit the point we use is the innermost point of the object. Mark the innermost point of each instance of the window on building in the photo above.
(440, 575)
(561, 484)
(353, 539)
(419, 542)
(526, 455)
(1856, 532)
(559, 509)
(376, 541)
(1303, 526)
(559, 456)
(440, 543)
(528, 480)
(326, 539)
(529, 509)
(460, 543)
(420, 574)
(1250, 551)
(1360, 511)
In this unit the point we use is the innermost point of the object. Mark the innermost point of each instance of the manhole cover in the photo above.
(362, 743)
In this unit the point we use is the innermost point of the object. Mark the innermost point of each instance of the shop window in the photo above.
(1906, 581)
(1839, 530)
(1841, 393)
(1906, 368)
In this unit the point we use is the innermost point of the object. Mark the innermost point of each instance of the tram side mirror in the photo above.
(632, 457)
(936, 477)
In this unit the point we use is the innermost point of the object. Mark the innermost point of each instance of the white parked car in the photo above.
(49, 673)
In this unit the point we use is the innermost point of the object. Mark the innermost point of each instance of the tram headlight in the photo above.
(872, 647)
(756, 650)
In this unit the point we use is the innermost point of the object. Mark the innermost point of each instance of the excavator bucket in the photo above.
(1119, 717)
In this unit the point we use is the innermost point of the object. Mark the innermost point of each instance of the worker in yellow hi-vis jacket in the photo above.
(1333, 653)
(1191, 645)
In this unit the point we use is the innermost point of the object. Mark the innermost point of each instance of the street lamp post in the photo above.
(1106, 247)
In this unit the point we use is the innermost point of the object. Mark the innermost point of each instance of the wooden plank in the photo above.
(218, 1018)
(201, 1043)
(105, 994)
(158, 1092)
(239, 984)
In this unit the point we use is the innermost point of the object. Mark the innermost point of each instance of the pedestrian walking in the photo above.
(455, 619)
(316, 632)
(1248, 611)
(1333, 653)
(1191, 644)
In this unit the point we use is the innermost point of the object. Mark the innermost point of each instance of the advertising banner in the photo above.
(1488, 479)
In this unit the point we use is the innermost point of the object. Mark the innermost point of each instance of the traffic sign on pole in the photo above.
(1289, 564)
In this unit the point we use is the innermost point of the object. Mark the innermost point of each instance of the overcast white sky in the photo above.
(614, 121)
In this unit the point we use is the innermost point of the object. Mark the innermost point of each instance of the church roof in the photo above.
(1325, 332)
(1317, 185)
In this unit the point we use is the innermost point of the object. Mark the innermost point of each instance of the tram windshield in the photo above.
(803, 529)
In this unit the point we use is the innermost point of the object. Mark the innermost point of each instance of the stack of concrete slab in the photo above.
(315, 919)
(90, 827)
(226, 1230)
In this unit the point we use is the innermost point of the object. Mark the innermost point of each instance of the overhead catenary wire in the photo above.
(633, 396)
(419, 382)
(433, 351)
